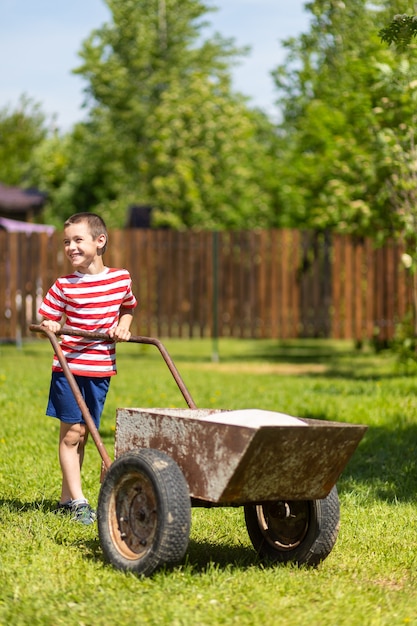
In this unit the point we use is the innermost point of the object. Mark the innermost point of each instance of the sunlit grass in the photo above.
(52, 571)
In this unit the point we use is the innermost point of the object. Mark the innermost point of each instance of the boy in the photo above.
(93, 298)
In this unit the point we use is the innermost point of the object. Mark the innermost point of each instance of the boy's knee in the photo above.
(73, 435)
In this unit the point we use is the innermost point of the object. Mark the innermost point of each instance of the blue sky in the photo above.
(40, 39)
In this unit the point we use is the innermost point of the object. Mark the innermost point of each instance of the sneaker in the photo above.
(63, 507)
(83, 513)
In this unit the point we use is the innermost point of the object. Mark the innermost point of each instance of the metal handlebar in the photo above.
(65, 330)
(73, 383)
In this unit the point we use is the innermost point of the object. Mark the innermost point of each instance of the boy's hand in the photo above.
(120, 333)
(54, 327)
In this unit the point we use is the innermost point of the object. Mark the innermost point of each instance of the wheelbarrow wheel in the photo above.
(144, 512)
(298, 531)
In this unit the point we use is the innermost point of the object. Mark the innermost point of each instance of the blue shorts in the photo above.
(63, 405)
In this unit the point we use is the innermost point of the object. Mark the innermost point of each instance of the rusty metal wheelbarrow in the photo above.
(282, 469)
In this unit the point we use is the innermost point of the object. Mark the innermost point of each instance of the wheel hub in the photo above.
(284, 524)
(135, 518)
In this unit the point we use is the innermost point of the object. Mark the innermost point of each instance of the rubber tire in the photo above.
(144, 512)
(305, 538)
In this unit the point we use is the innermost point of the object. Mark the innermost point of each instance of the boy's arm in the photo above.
(122, 332)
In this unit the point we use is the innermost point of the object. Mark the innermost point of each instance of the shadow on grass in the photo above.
(384, 465)
(19, 506)
(302, 351)
(334, 362)
(203, 555)
(299, 351)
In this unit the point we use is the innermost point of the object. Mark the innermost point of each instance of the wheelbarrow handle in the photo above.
(65, 330)
(77, 394)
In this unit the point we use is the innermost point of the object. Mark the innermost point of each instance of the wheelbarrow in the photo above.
(281, 469)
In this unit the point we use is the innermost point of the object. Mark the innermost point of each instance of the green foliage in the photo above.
(405, 343)
(400, 31)
(22, 129)
(52, 570)
(343, 93)
(132, 60)
(164, 126)
(205, 163)
(81, 172)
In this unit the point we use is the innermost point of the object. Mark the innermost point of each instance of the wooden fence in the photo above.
(259, 284)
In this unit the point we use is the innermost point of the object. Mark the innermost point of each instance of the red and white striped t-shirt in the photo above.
(89, 302)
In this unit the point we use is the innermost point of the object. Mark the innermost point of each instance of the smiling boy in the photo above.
(93, 298)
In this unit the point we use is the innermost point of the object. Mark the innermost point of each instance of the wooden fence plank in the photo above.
(379, 261)
(402, 286)
(285, 284)
(358, 295)
(388, 296)
(336, 290)
(263, 287)
(14, 295)
(369, 289)
(292, 240)
(273, 286)
(4, 290)
(348, 274)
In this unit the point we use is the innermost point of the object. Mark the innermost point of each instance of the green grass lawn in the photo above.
(52, 570)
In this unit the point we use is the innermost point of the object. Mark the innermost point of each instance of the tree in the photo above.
(21, 130)
(205, 162)
(83, 171)
(402, 151)
(164, 126)
(337, 104)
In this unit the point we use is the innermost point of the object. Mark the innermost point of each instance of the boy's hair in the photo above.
(96, 225)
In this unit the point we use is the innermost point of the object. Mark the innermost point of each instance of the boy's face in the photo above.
(80, 247)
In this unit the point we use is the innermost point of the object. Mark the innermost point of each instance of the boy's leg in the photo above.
(72, 440)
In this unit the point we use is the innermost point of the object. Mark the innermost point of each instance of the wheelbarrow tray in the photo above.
(238, 457)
